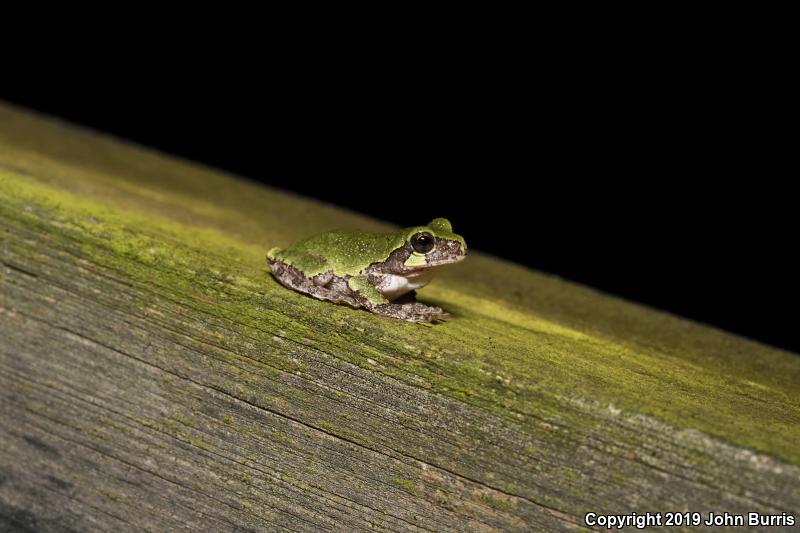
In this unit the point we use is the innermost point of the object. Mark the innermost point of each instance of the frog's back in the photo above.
(342, 251)
(351, 251)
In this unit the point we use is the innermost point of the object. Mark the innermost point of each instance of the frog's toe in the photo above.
(419, 312)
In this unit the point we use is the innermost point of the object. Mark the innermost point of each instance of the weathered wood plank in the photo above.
(153, 376)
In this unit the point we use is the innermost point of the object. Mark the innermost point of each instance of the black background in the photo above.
(666, 188)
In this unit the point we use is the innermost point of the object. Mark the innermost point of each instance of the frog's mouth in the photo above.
(442, 262)
(432, 267)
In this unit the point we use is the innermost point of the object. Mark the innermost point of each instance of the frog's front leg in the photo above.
(372, 300)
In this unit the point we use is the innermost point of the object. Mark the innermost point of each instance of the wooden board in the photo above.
(153, 376)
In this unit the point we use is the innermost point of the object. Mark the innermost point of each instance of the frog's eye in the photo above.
(422, 242)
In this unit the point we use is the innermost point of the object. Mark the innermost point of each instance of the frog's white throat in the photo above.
(395, 285)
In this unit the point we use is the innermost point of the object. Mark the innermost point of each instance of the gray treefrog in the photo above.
(378, 272)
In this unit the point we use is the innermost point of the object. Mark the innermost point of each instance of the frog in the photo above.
(376, 272)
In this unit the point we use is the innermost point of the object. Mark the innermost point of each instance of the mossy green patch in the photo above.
(496, 501)
(407, 485)
(244, 477)
(199, 442)
(183, 419)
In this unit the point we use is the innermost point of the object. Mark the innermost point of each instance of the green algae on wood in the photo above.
(150, 272)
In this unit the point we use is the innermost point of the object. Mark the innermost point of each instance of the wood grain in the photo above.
(154, 378)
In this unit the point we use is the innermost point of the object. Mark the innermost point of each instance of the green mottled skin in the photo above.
(361, 285)
(349, 252)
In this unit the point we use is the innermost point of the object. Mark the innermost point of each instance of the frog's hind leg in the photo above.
(323, 286)
(354, 291)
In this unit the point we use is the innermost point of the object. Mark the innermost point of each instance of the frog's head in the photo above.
(434, 245)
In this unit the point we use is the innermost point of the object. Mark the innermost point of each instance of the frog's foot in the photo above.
(372, 300)
(412, 311)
